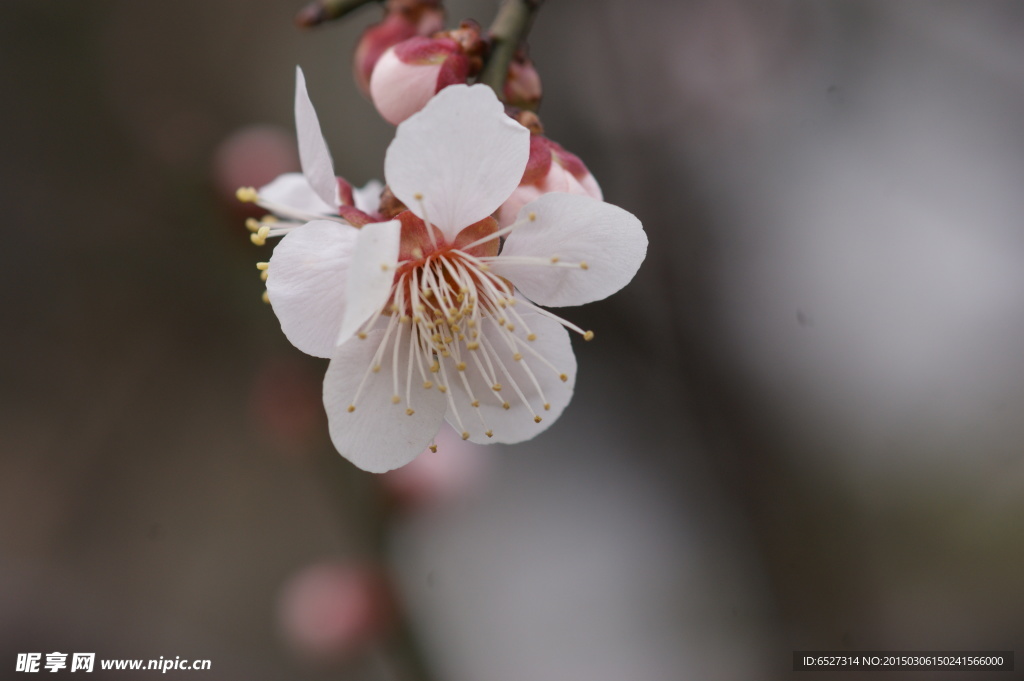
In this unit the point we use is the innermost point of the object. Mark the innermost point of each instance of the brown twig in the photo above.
(321, 11)
(508, 30)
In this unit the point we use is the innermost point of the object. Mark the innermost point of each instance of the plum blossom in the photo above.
(435, 316)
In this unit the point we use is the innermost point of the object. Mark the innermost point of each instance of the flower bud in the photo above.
(330, 611)
(410, 73)
(404, 19)
(550, 169)
(522, 84)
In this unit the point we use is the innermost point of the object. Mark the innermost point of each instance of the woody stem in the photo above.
(508, 31)
(320, 11)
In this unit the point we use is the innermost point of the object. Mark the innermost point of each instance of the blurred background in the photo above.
(799, 428)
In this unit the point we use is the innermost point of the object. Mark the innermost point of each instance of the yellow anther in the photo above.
(511, 327)
(428, 293)
(518, 356)
(262, 266)
(418, 196)
(472, 346)
(489, 433)
(395, 399)
(554, 259)
(252, 224)
(584, 266)
(351, 408)
(496, 387)
(443, 388)
(547, 406)
(258, 238)
(465, 435)
(531, 337)
(445, 353)
(417, 319)
(506, 406)
(417, 253)
(537, 419)
(269, 219)
(589, 335)
(361, 335)
(383, 267)
(409, 412)
(266, 297)
(376, 368)
(532, 216)
(427, 385)
(432, 448)
(485, 267)
(512, 302)
(563, 377)
(404, 319)
(246, 194)
(264, 275)
(475, 403)
(461, 366)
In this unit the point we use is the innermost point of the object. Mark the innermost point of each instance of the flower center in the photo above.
(464, 329)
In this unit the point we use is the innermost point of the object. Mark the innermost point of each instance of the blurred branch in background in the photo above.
(322, 11)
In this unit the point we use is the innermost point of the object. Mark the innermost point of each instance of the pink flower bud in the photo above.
(550, 169)
(404, 19)
(333, 610)
(522, 85)
(413, 71)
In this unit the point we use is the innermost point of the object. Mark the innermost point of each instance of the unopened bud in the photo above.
(550, 169)
(410, 73)
(522, 84)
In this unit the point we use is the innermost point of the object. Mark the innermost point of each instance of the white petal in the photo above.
(367, 197)
(313, 152)
(461, 153)
(575, 229)
(293, 190)
(517, 423)
(370, 275)
(379, 435)
(307, 284)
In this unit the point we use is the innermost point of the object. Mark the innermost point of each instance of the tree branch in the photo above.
(508, 30)
(321, 11)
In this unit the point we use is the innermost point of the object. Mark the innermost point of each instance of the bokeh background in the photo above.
(799, 428)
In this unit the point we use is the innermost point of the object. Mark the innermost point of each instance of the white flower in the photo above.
(422, 317)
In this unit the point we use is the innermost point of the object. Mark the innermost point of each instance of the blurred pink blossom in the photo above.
(331, 610)
(437, 477)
